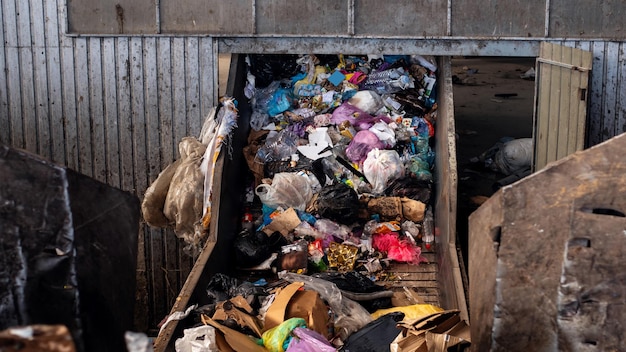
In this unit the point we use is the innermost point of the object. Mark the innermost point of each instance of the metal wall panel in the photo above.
(113, 108)
(498, 18)
(587, 19)
(112, 16)
(207, 16)
(401, 18)
(301, 17)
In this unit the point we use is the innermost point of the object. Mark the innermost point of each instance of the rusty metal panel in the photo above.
(207, 16)
(585, 19)
(294, 17)
(400, 18)
(546, 257)
(561, 102)
(498, 18)
(111, 16)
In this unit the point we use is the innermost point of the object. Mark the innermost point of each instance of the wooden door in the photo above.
(560, 102)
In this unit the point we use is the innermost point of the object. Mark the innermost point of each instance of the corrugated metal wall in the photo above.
(114, 108)
(111, 108)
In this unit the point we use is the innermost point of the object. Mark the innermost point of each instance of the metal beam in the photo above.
(390, 46)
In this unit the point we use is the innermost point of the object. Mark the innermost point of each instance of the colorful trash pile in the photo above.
(340, 182)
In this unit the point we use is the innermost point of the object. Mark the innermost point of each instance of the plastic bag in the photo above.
(368, 101)
(252, 249)
(288, 190)
(414, 311)
(514, 155)
(137, 342)
(357, 117)
(349, 315)
(329, 227)
(278, 147)
(277, 339)
(307, 340)
(154, 198)
(339, 203)
(269, 67)
(184, 202)
(384, 133)
(375, 336)
(198, 339)
(362, 143)
(381, 167)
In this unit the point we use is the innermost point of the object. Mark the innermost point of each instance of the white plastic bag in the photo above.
(514, 155)
(381, 167)
(198, 339)
(288, 190)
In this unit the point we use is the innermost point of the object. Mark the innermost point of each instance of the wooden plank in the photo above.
(70, 118)
(27, 87)
(81, 67)
(621, 99)
(565, 101)
(16, 123)
(40, 79)
(109, 85)
(554, 102)
(5, 131)
(586, 60)
(208, 78)
(611, 85)
(152, 109)
(138, 115)
(192, 86)
(96, 110)
(124, 112)
(179, 122)
(169, 146)
(596, 121)
(543, 109)
(55, 83)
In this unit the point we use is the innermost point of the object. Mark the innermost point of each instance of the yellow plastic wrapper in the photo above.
(414, 311)
(342, 256)
(277, 338)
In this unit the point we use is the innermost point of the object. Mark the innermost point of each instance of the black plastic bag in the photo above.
(375, 336)
(339, 203)
(221, 287)
(251, 249)
(267, 68)
(411, 188)
(360, 288)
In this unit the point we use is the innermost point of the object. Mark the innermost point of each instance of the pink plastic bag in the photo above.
(357, 117)
(306, 340)
(362, 143)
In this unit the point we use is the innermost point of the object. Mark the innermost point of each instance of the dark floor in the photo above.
(481, 119)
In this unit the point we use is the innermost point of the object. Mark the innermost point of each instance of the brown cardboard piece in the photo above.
(433, 333)
(283, 223)
(294, 302)
(232, 340)
(238, 309)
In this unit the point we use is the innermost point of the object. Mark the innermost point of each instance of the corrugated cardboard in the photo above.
(228, 339)
(295, 302)
(433, 333)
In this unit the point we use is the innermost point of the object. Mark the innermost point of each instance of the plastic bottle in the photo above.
(428, 231)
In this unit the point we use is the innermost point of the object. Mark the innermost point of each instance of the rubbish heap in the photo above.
(340, 182)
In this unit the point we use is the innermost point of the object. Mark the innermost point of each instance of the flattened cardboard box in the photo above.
(294, 302)
(433, 333)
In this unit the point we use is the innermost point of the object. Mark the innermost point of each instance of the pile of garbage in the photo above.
(340, 150)
(340, 181)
